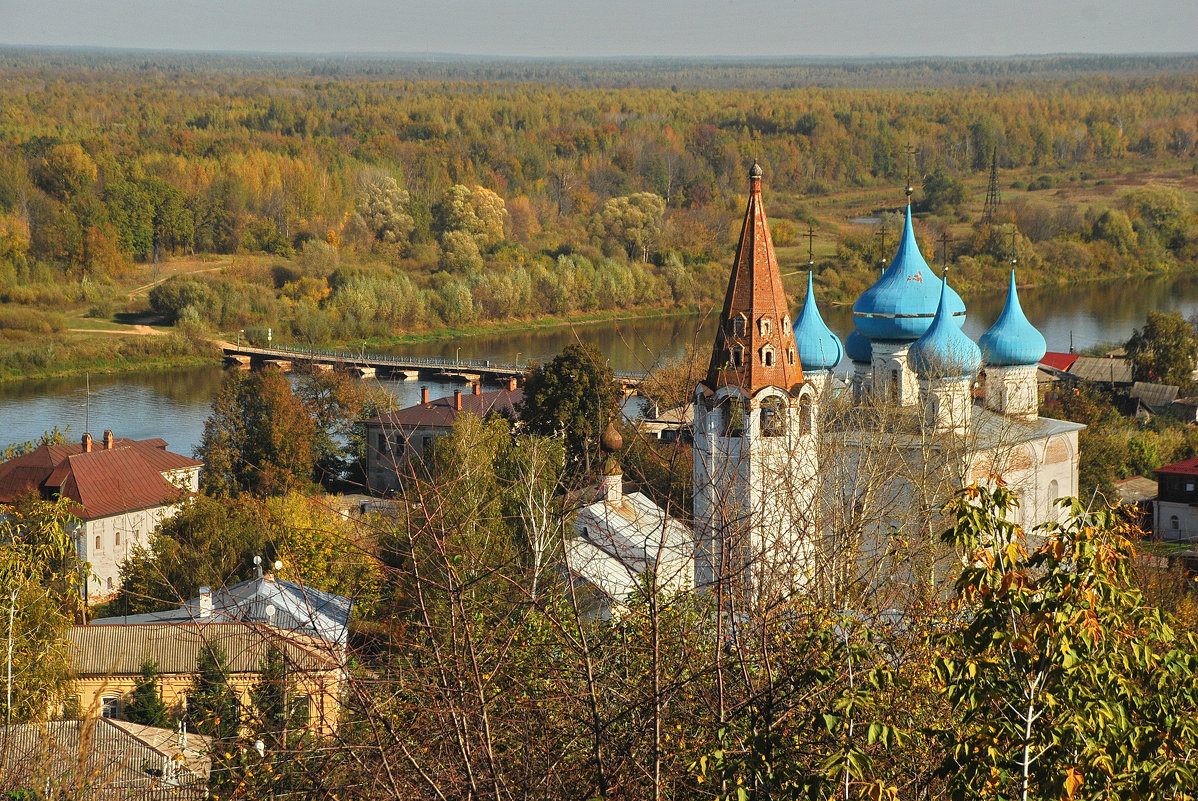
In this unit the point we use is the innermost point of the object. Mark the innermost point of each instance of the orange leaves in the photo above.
(1073, 781)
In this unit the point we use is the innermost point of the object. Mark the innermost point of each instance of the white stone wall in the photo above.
(892, 378)
(1187, 521)
(1013, 390)
(106, 542)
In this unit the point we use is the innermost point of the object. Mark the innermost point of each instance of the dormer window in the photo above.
(740, 324)
(767, 356)
(764, 326)
(738, 356)
(786, 324)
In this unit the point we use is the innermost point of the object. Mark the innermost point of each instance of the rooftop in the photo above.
(441, 413)
(1186, 467)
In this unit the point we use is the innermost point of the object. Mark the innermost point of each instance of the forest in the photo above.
(386, 198)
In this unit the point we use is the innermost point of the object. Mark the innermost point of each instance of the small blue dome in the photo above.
(819, 348)
(901, 304)
(858, 347)
(944, 351)
(1012, 339)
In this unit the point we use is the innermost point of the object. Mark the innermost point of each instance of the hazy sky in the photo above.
(612, 28)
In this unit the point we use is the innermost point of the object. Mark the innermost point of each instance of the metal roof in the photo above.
(1154, 395)
(103, 481)
(1012, 339)
(1186, 467)
(103, 760)
(1058, 361)
(441, 413)
(1102, 369)
(119, 649)
(819, 348)
(1136, 488)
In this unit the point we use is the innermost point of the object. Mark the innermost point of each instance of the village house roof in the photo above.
(263, 599)
(104, 478)
(1058, 361)
(107, 759)
(754, 344)
(119, 649)
(1186, 467)
(441, 413)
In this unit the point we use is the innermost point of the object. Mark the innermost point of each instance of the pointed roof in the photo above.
(944, 351)
(755, 321)
(900, 305)
(1012, 339)
(819, 348)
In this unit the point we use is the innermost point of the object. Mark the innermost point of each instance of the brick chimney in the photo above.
(511, 384)
(108, 440)
(87, 443)
(457, 399)
(477, 388)
(424, 394)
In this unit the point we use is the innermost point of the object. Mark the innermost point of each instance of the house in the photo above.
(121, 489)
(106, 660)
(103, 759)
(1141, 493)
(263, 599)
(619, 540)
(672, 425)
(396, 439)
(1177, 501)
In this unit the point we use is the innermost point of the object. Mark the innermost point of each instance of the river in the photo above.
(174, 404)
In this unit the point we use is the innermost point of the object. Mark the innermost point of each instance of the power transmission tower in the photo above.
(993, 201)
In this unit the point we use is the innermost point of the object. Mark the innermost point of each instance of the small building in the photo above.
(265, 600)
(103, 760)
(672, 425)
(1110, 370)
(396, 439)
(1177, 501)
(1141, 493)
(121, 488)
(106, 661)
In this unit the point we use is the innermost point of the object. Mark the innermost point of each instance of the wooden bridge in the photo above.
(406, 368)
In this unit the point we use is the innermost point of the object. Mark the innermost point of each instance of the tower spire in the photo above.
(755, 346)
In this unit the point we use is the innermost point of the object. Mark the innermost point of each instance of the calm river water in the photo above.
(174, 404)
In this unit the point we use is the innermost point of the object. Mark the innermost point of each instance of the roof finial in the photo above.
(810, 245)
(755, 170)
(910, 190)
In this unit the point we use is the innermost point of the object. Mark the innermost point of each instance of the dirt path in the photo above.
(147, 287)
(132, 330)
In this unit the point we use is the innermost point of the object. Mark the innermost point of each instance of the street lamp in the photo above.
(456, 355)
(239, 333)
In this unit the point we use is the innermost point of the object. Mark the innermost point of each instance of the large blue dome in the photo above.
(944, 351)
(819, 348)
(1012, 339)
(858, 347)
(901, 304)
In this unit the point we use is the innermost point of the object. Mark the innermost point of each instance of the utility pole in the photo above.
(993, 201)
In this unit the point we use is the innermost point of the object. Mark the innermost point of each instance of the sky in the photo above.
(571, 28)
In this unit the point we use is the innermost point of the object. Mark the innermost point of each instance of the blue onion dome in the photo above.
(944, 351)
(858, 347)
(901, 304)
(819, 348)
(1012, 339)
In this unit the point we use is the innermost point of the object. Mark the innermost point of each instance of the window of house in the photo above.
(234, 708)
(116, 539)
(765, 326)
(97, 542)
(110, 706)
(1189, 486)
(109, 582)
(1174, 523)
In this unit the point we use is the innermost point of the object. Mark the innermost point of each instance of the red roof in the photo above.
(441, 412)
(1186, 467)
(103, 482)
(1059, 361)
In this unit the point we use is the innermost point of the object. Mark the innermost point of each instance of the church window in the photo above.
(97, 542)
(1054, 492)
(773, 418)
(735, 421)
(895, 386)
(765, 325)
(790, 355)
(806, 415)
(767, 356)
(786, 324)
(116, 539)
(739, 325)
(738, 356)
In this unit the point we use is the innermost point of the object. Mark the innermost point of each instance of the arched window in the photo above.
(806, 416)
(767, 356)
(790, 355)
(738, 356)
(786, 324)
(773, 417)
(1054, 492)
(740, 324)
(1174, 523)
(764, 326)
(896, 387)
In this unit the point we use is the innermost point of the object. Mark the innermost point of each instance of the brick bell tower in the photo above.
(755, 460)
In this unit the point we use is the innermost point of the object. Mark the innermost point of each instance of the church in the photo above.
(801, 478)
(809, 481)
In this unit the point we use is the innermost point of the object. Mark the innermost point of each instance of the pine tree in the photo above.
(145, 703)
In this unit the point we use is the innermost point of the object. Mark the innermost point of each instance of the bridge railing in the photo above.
(491, 366)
